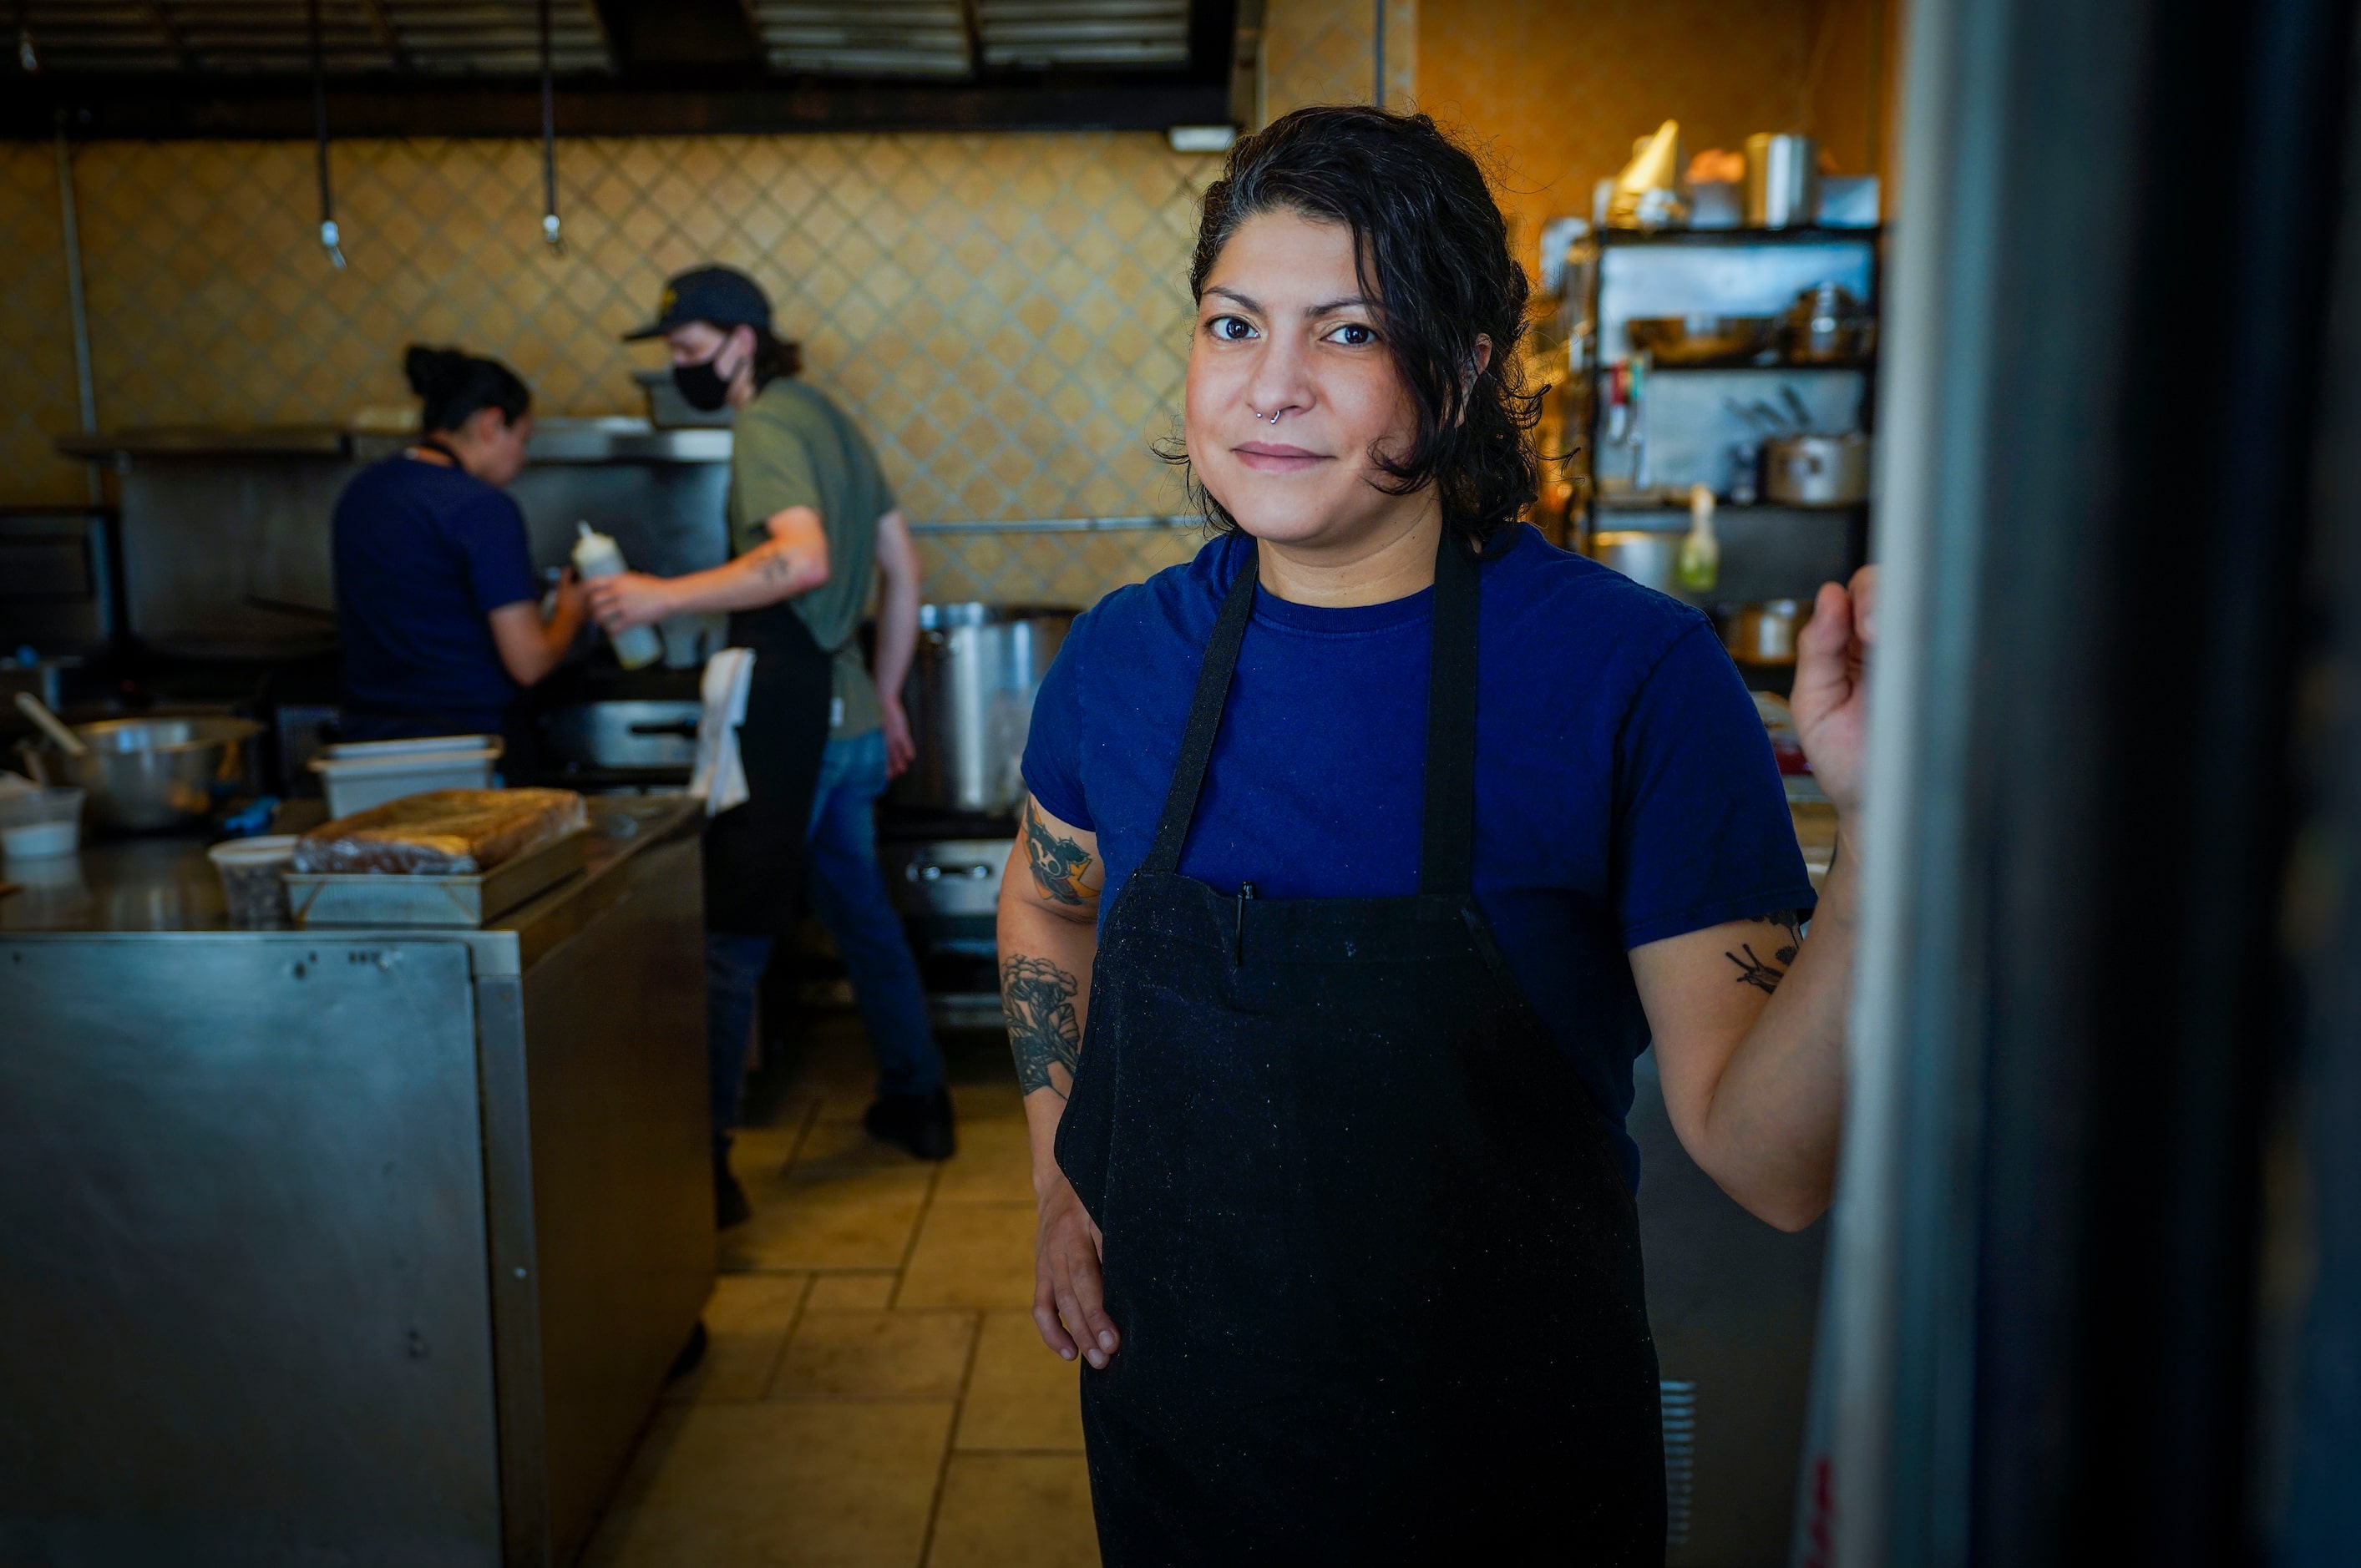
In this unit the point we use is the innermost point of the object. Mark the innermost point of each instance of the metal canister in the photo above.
(1783, 180)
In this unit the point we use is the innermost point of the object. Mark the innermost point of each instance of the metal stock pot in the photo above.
(1816, 470)
(970, 697)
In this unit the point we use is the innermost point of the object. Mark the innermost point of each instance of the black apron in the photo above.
(1375, 1263)
(754, 852)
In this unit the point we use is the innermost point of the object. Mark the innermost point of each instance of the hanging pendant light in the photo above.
(329, 238)
(550, 232)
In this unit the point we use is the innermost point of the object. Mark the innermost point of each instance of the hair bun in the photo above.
(433, 370)
(454, 385)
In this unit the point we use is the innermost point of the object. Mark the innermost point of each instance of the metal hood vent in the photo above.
(965, 39)
(244, 68)
(273, 37)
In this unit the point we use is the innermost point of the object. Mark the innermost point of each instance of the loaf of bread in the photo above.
(445, 832)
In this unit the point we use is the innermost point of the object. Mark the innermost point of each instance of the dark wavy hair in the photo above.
(1431, 248)
(451, 386)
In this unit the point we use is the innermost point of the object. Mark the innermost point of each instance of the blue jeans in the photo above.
(848, 893)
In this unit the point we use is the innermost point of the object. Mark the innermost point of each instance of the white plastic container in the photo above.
(359, 775)
(597, 554)
(40, 824)
(253, 873)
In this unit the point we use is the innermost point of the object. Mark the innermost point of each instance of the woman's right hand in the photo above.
(1068, 1288)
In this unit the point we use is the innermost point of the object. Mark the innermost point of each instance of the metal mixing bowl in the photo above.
(145, 773)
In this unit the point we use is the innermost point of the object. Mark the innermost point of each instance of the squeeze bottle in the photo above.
(596, 555)
(1700, 561)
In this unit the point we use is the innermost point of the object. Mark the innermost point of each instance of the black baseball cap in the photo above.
(721, 296)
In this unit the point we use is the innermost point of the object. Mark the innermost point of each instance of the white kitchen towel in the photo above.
(720, 780)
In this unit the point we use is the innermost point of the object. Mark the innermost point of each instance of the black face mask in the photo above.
(701, 385)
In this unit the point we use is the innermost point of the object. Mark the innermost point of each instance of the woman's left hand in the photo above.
(1830, 697)
(627, 599)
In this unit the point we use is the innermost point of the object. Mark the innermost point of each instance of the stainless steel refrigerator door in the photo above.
(241, 1184)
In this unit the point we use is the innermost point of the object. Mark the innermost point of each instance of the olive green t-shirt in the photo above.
(794, 447)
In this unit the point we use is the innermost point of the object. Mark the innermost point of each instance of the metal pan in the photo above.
(386, 898)
(1702, 340)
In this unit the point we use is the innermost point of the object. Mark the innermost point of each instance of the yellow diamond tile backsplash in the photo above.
(1007, 313)
(38, 400)
(1323, 51)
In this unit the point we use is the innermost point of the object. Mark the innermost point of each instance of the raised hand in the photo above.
(1831, 697)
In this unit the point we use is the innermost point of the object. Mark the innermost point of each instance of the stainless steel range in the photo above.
(944, 872)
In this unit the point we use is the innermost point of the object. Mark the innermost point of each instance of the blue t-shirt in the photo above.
(1625, 789)
(423, 554)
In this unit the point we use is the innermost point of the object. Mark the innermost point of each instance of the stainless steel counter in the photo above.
(354, 1246)
(165, 886)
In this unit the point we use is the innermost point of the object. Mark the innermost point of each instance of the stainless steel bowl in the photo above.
(1702, 340)
(145, 773)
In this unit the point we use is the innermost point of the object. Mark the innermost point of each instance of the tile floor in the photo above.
(874, 1395)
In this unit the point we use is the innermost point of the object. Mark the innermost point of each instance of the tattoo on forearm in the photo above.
(1763, 974)
(1037, 999)
(778, 567)
(1058, 864)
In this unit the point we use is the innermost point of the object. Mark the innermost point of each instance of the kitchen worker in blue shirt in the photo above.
(1363, 853)
(813, 524)
(437, 604)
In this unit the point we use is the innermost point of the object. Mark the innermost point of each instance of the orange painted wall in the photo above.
(1554, 90)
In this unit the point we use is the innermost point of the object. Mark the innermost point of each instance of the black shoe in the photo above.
(730, 1205)
(920, 1123)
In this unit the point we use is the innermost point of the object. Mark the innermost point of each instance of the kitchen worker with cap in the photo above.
(810, 520)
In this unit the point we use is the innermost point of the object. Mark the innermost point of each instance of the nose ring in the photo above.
(1272, 416)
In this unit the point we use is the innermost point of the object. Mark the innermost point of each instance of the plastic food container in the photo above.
(253, 873)
(40, 824)
(359, 776)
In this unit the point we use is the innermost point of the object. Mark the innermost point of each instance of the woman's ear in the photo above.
(485, 425)
(1480, 360)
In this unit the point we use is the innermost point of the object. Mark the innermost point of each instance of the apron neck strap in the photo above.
(1447, 862)
(1448, 847)
(1204, 716)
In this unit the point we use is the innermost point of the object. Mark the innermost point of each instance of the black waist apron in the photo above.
(754, 852)
(1376, 1266)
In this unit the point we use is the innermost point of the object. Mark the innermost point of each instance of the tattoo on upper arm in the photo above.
(1765, 974)
(1037, 999)
(1057, 863)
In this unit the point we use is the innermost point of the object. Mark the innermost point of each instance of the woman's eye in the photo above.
(1353, 335)
(1231, 329)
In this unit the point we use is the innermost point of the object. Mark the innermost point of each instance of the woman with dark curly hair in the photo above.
(1364, 854)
